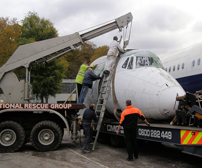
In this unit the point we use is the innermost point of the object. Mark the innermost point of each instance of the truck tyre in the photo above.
(116, 141)
(12, 136)
(46, 136)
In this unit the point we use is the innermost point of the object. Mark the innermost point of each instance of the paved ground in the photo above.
(68, 155)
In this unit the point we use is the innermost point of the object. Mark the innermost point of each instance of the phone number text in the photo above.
(155, 133)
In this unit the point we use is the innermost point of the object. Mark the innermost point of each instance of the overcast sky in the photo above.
(160, 26)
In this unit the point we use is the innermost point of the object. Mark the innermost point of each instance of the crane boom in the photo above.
(51, 49)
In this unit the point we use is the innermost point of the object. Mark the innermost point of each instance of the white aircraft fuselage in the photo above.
(186, 67)
(140, 77)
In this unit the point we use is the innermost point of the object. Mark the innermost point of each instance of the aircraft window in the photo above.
(178, 66)
(144, 61)
(199, 61)
(174, 68)
(169, 69)
(130, 65)
(125, 63)
(193, 63)
(155, 61)
(148, 59)
(182, 65)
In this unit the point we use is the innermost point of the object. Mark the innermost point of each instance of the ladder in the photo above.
(71, 95)
(102, 100)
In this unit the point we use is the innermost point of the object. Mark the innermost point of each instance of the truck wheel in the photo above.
(46, 136)
(12, 136)
(116, 141)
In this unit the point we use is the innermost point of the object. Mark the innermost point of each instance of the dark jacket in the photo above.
(88, 116)
(89, 77)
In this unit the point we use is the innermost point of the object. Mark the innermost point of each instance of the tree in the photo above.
(9, 36)
(45, 79)
(99, 52)
(87, 50)
(37, 28)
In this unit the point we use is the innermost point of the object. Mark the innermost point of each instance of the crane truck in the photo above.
(43, 125)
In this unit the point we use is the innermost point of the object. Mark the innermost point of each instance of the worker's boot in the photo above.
(106, 72)
(130, 159)
(85, 151)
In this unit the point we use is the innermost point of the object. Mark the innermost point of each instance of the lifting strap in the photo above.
(71, 95)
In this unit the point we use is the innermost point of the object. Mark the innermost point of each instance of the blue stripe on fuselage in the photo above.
(191, 83)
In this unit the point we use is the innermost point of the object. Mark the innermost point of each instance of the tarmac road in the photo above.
(68, 155)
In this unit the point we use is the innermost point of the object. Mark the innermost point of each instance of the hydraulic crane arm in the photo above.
(51, 49)
(119, 23)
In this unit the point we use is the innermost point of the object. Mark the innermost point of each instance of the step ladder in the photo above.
(102, 101)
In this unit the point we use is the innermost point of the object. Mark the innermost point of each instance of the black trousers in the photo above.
(79, 86)
(87, 131)
(131, 142)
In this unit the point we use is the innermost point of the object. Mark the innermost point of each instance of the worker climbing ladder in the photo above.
(102, 101)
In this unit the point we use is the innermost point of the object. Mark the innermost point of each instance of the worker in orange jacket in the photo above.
(129, 118)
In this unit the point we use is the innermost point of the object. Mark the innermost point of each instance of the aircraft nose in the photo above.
(166, 99)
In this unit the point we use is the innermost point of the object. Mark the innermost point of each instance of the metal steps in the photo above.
(102, 101)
